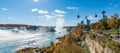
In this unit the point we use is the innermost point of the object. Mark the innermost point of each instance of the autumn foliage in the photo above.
(69, 44)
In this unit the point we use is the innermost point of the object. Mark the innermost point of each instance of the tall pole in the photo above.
(103, 12)
(105, 20)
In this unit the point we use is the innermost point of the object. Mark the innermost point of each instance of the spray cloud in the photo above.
(59, 25)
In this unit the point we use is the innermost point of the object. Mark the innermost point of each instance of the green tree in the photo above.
(92, 26)
(104, 21)
(113, 21)
(118, 23)
(51, 44)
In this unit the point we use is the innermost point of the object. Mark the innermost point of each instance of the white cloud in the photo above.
(11, 18)
(59, 15)
(36, 0)
(35, 9)
(91, 17)
(113, 6)
(48, 16)
(5, 9)
(59, 11)
(42, 12)
(44, 15)
(72, 8)
(39, 11)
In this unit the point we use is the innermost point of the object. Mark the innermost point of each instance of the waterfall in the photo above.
(59, 26)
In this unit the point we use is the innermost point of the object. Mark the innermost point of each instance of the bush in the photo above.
(51, 44)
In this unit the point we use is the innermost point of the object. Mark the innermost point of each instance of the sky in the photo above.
(46, 12)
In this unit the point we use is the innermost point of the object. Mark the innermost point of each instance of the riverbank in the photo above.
(74, 42)
(78, 41)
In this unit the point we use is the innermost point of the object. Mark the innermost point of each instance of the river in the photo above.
(10, 40)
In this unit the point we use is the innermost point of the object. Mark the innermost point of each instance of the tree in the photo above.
(117, 20)
(92, 26)
(104, 21)
(97, 25)
(112, 23)
(118, 23)
(51, 44)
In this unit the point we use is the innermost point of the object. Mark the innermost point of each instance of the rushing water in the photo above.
(12, 40)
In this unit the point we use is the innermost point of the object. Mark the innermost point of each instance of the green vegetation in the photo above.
(93, 36)
(105, 41)
(71, 43)
(111, 24)
(113, 32)
(27, 50)
(51, 44)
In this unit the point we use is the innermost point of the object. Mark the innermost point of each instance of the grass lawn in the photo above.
(113, 32)
(105, 41)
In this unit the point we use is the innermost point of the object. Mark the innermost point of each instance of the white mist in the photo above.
(59, 26)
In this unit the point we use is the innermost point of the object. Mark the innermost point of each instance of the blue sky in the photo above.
(45, 12)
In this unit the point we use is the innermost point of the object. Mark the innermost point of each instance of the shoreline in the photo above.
(68, 43)
(77, 41)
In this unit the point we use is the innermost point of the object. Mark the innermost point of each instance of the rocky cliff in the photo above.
(95, 47)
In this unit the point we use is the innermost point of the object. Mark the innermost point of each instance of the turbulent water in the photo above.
(14, 39)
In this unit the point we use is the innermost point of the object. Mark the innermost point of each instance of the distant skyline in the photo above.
(46, 12)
